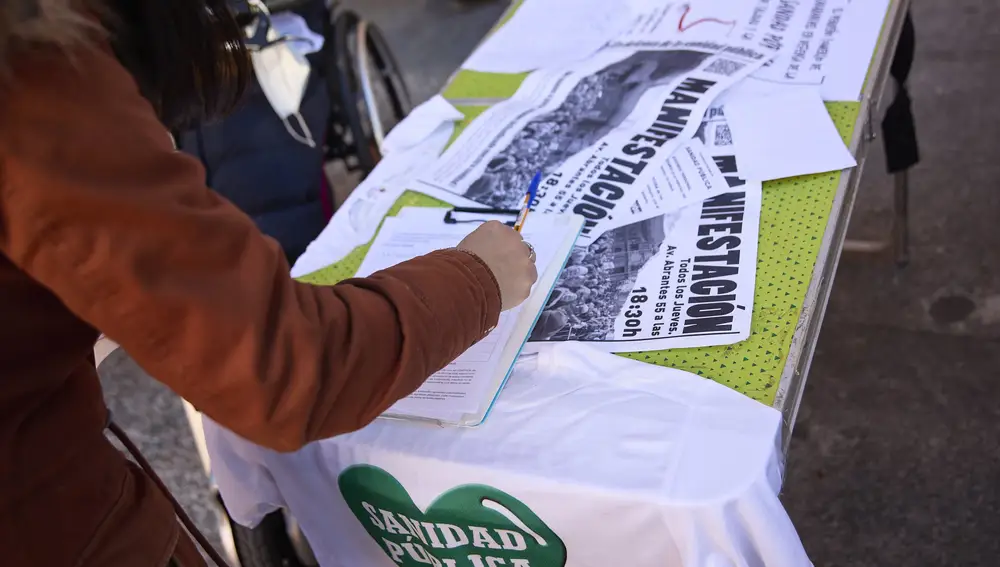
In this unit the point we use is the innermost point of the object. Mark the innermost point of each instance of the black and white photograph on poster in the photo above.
(597, 280)
(598, 104)
(680, 280)
(598, 131)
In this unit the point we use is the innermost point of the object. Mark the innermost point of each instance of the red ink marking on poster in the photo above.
(687, 10)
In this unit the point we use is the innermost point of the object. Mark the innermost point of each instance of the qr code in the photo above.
(723, 137)
(724, 67)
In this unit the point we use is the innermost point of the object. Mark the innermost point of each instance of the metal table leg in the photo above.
(901, 220)
(899, 234)
(900, 139)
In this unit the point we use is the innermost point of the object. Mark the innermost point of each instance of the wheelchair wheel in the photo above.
(367, 92)
(274, 542)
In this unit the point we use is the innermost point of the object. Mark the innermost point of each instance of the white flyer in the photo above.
(824, 44)
(820, 46)
(599, 131)
(849, 60)
(548, 33)
(678, 280)
(786, 134)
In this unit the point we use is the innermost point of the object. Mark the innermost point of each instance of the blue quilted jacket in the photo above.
(252, 160)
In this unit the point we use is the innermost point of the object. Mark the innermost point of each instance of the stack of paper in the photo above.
(463, 391)
(656, 121)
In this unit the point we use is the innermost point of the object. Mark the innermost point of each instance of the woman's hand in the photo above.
(508, 256)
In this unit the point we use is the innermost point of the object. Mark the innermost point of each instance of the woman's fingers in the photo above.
(508, 256)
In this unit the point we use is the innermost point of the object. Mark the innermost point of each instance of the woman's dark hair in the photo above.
(187, 55)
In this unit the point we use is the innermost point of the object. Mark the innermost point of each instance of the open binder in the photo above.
(463, 393)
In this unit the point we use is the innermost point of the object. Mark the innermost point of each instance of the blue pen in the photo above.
(528, 199)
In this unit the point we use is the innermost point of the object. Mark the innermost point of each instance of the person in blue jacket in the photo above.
(252, 161)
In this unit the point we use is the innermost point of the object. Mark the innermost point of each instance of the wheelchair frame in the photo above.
(357, 66)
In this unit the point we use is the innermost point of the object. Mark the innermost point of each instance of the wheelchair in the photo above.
(366, 90)
(366, 97)
(277, 170)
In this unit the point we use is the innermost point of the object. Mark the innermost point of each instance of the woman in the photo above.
(104, 226)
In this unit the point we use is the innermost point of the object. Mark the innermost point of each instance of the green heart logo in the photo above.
(469, 526)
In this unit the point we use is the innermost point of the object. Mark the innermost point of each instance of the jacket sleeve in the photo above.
(97, 206)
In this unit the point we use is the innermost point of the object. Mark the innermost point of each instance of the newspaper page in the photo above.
(678, 280)
(599, 131)
(824, 44)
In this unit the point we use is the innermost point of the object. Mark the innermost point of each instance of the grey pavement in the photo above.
(895, 459)
(896, 456)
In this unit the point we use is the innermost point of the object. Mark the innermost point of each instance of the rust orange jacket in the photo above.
(104, 226)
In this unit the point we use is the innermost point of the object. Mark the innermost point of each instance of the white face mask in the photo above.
(283, 76)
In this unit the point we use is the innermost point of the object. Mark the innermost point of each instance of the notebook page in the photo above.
(462, 386)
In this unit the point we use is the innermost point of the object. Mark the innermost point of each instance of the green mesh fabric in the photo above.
(793, 219)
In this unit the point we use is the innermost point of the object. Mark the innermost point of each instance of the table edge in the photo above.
(788, 397)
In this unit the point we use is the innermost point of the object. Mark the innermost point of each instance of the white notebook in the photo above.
(464, 392)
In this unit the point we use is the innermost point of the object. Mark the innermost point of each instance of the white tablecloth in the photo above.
(588, 460)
